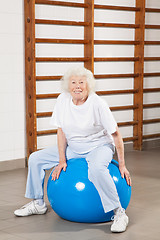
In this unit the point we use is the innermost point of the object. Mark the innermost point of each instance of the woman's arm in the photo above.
(62, 144)
(120, 152)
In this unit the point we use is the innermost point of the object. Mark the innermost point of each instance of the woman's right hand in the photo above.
(57, 170)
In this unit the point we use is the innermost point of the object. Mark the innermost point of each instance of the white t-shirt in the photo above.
(85, 126)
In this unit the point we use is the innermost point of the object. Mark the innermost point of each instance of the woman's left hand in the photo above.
(125, 173)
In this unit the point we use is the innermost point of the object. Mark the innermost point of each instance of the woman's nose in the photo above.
(77, 85)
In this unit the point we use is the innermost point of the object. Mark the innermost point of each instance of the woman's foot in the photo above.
(120, 221)
(31, 208)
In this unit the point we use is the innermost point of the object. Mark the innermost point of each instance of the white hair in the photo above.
(78, 71)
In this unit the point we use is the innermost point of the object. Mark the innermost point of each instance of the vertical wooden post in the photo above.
(30, 78)
(139, 68)
(89, 35)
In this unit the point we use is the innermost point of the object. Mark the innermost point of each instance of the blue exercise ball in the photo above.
(73, 197)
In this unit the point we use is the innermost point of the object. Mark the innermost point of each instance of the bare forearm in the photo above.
(119, 147)
(120, 152)
(62, 144)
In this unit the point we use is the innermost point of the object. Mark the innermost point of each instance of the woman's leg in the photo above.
(98, 173)
(39, 162)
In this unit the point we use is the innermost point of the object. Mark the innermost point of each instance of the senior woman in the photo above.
(86, 128)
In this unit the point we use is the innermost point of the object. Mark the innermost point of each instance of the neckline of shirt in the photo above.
(82, 105)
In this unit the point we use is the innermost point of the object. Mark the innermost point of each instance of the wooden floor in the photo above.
(143, 210)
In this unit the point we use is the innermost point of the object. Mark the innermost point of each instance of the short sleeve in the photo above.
(106, 116)
(56, 119)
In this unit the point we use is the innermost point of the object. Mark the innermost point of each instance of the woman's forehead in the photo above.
(78, 77)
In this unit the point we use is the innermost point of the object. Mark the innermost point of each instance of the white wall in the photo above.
(12, 97)
(12, 90)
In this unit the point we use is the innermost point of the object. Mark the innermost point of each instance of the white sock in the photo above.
(40, 201)
(119, 209)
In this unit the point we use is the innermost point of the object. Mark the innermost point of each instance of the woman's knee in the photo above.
(44, 158)
(101, 156)
(96, 168)
(33, 159)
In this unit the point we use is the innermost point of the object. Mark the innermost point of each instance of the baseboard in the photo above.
(147, 145)
(12, 164)
(128, 147)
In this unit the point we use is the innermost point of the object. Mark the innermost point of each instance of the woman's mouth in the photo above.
(77, 92)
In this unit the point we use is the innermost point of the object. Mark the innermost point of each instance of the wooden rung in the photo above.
(43, 114)
(153, 10)
(148, 121)
(55, 95)
(66, 41)
(152, 42)
(129, 91)
(148, 90)
(156, 135)
(59, 3)
(60, 22)
(116, 25)
(63, 59)
(151, 105)
(46, 132)
(50, 132)
(42, 78)
(130, 123)
(152, 59)
(130, 139)
(121, 42)
(45, 96)
(126, 75)
(152, 74)
(122, 108)
(116, 59)
(119, 8)
(152, 26)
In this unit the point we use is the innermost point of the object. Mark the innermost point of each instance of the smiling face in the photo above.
(78, 89)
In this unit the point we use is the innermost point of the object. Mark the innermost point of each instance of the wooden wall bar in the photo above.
(30, 80)
(139, 68)
(89, 35)
(89, 59)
